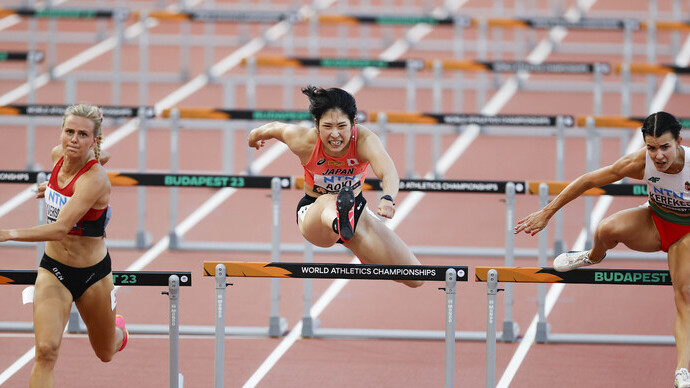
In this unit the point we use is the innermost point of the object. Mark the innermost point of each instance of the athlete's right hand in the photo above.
(532, 224)
(253, 139)
(41, 189)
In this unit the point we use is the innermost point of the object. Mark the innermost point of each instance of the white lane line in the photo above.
(17, 365)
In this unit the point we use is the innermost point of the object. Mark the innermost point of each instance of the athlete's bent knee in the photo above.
(47, 352)
(104, 355)
(608, 229)
(682, 291)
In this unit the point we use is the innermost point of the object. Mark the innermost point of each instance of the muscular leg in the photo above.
(633, 227)
(95, 308)
(679, 267)
(317, 226)
(375, 243)
(52, 302)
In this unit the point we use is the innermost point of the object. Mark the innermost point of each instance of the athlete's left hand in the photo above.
(386, 208)
(41, 189)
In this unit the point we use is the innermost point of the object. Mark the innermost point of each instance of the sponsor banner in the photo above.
(353, 63)
(120, 278)
(64, 13)
(336, 271)
(583, 24)
(18, 176)
(454, 186)
(564, 67)
(59, 110)
(582, 276)
(196, 180)
(243, 16)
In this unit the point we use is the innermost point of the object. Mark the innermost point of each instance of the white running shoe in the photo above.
(682, 378)
(570, 260)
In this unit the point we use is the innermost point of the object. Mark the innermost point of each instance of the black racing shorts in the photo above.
(77, 279)
(360, 206)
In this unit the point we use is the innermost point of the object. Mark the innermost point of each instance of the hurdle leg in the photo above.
(221, 284)
(277, 325)
(176, 379)
(491, 291)
(511, 329)
(450, 327)
(309, 323)
(542, 335)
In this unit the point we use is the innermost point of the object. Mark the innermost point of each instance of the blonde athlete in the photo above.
(335, 156)
(662, 224)
(76, 264)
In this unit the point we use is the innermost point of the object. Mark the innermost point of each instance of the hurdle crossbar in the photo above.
(222, 269)
(120, 278)
(580, 276)
(173, 280)
(335, 271)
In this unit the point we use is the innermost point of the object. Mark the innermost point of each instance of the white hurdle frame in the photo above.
(451, 276)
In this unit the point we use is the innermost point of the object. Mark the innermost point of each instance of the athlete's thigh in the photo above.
(52, 303)
(376, 243)
(313, 227)
(679, 260)
(97, 309)
(636, 229)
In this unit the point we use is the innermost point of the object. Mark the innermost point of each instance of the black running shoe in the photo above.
(345, 203)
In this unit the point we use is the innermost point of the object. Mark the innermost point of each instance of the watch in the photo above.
(389, 198)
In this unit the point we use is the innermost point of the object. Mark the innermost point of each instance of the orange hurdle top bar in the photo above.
(581, 276)
(335, 271)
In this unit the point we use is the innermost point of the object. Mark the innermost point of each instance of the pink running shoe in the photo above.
(120, 322)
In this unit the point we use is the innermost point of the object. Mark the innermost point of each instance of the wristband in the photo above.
(389, 198)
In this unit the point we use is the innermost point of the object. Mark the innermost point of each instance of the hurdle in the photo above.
(223, 269)
(172, 279)
(494, 275)
(544, 275)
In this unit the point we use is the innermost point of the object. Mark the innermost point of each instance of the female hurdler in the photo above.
(335, 155)
(76, 264)
(662, 224)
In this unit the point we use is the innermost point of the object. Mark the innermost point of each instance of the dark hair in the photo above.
(322, 100)
(659, 123)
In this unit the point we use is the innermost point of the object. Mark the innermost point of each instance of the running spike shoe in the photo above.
(682, 378)
(120, 322)
(570, 260)
(345, 204)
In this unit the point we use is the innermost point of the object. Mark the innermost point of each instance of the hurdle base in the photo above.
(277, 327)
(309, 326)
(611, 339)
(436, 335)
(511, 332)
(542, 335)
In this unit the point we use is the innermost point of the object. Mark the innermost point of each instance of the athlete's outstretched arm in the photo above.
(631, 166)
(87, 191)
(283, 132)
(370, 148)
